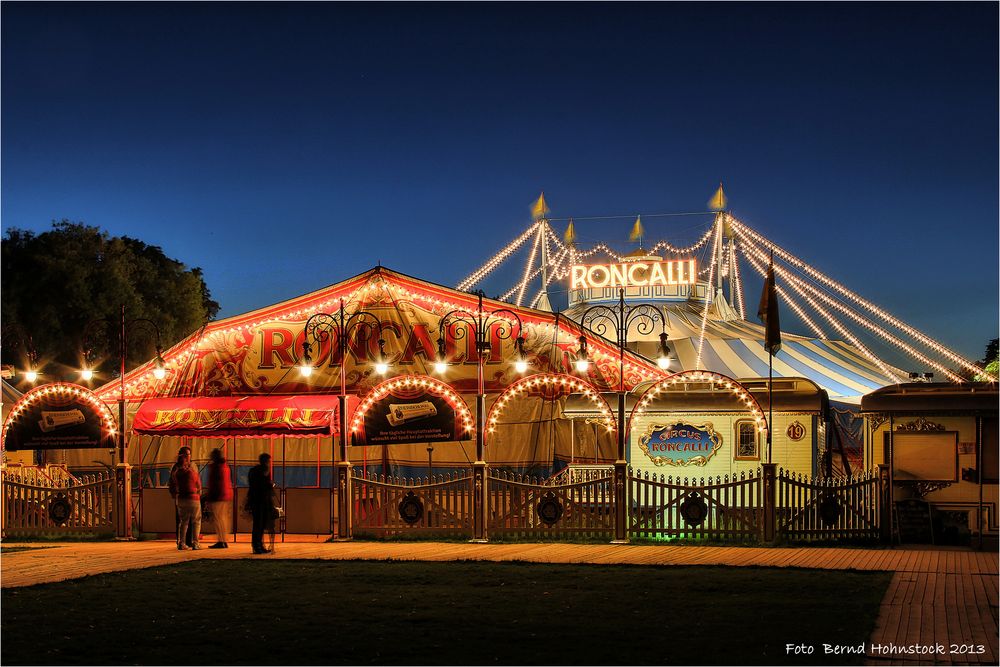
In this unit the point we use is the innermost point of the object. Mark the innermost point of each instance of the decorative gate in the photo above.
(527, 506)
(726, 508)
(390, 506)
(828, 509)
(41, 503)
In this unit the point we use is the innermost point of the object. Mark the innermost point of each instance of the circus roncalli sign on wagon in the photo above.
(680, 443)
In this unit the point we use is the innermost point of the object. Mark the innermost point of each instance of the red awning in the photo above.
(230, 416)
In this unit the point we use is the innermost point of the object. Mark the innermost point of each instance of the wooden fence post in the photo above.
(3, 499)
(345, 509)
(480, 499)
(620, 499)
(770, 501)
(123, 501)
(885, 504)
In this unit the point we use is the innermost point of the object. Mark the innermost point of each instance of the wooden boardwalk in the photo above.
(937, 597)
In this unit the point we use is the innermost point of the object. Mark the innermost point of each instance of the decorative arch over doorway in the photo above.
(549, 385)
(416, 384)
(717, 379)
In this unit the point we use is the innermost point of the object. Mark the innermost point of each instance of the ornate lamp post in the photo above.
(483, 326)
(87, 373)
(322, 328)
(621, 318)
(123, 481)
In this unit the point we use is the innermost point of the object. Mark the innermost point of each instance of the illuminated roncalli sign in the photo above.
(633, 274)
(680, 443)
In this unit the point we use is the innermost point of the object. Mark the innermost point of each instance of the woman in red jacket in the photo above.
(188, 485)
(220, 497)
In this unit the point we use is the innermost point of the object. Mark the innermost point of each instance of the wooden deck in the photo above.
(937, 597)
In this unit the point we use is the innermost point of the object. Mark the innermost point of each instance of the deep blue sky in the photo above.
(285, 147)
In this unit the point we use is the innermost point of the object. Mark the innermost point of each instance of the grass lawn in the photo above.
(326, 612)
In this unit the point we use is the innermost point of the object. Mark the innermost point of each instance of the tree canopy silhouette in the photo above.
(56, 284)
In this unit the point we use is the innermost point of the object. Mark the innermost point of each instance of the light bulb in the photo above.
(663, 363)
(159, 373)
(31, 375)
(87, 374)
(521, 366)
(440, 367)
(381, 367)
(306, 370)
(582, 365)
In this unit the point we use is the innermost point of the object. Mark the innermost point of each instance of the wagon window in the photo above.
(747, 444)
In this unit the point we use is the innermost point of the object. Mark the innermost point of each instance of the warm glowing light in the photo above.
(159, 373)
(582, 365)
(638, 274)
(440, 367)
(306, 370)
(521, 366)
(87, 375)
(31, 375)
(381, 367)
(663, 363)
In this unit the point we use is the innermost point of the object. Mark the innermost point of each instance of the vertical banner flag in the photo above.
(767, 311)
(637, 231)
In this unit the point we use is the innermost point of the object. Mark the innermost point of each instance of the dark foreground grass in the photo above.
(259, 612)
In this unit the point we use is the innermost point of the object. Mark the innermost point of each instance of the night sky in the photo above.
(283, 148)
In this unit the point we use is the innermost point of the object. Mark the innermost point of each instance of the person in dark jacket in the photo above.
(172, 488)
(260, 500)
(187, 482)
(220, 497)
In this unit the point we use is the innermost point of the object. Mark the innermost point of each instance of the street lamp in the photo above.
(321, 327)
(87, 373)
(599, 319)
(481, 324)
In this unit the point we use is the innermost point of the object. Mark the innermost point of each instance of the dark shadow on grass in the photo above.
(361, 612)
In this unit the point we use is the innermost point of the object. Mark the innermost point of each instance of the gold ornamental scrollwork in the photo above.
(701, 460)
(920, 424)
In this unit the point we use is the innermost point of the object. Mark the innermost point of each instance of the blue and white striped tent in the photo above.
(735, 347)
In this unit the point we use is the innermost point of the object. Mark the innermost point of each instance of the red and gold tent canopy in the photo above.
(257, 354)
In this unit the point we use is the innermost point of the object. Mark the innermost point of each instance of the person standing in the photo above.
(220, 497)
(260, 500)
(188, 485)
(172, 488)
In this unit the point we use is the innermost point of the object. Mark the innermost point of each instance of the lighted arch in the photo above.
(423, 382)
(717, 379)
(61, 390)
(567, 383)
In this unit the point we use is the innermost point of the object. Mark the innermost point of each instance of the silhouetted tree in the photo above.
(57, 282)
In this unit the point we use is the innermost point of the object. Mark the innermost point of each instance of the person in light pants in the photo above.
(220, 497)
(188, 485)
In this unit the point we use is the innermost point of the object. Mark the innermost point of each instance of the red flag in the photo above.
(767, 312)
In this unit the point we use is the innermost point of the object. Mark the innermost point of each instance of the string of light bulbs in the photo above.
(835, 323)
(868, 324)
(799, 264)
(495, 261)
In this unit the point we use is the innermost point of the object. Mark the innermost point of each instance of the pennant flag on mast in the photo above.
(718, 200)
(540, 208)
(637, 231)
(767, 311)
(570, 236)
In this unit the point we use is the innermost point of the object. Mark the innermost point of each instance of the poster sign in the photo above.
(57, 420)
(680, 443)
(409, 415)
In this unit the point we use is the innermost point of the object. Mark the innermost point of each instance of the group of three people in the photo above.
(185, 487)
